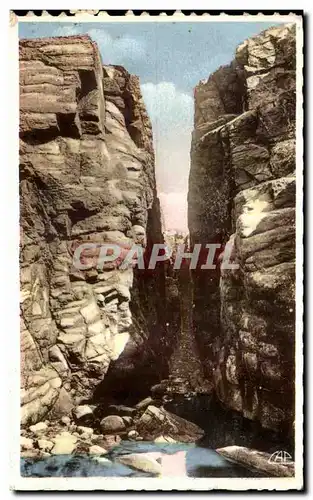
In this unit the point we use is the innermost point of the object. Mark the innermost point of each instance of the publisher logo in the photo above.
(280, 457)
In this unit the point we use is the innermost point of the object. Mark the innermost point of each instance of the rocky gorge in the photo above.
(164, 356)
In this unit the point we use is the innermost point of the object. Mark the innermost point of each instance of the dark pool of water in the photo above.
(198, 462)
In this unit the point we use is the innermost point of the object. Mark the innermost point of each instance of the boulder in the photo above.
(112, 423)
(33, 453)
(164, 439)
(158, 421)
(64, 403)
(26, 443)
(82, 413)
(38, 428)
(102, 460)
(87, 431)
(146, 462)
(66, 420)
(142, 405)
(64, 444)
(121, 410)
(152, 413)
(97, 450)
(133, 434)
(128, 421)
(45, 445)
(108, 441)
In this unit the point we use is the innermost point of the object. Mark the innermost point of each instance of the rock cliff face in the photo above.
(86, 175)
(242, 188)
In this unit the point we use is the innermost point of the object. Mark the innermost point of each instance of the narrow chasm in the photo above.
(168, 355)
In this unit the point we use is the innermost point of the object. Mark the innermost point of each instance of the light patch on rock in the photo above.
(253, 213)
(88, 431)
(164, 439)
(66, 420)
(97, 450)
(144, 403)
(82, 411)
(146, 462)
(37, 428)
(112, 423)
(64, 444)
(118, 343)
(45, 445)
(133, 434)
(102, 460)
(26, 443)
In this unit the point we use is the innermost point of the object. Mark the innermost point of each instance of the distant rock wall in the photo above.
(86, 175)
(242, 188)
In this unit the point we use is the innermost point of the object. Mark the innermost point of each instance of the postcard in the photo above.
(161, 227)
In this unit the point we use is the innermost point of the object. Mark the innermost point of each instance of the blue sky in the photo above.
(170, 59)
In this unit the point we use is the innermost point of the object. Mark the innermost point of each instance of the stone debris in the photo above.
(38, 428)
(26, 443)
(97, 450)
(133, 434)
(45, 445)
(112, 423)
(82, 413)
(164, 439)
(146, 462)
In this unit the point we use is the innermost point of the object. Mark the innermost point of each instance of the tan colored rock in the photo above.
(102, 460)
(146, 462)
(152, 412)
(97, 450)
(88, 431)
(66, 420)
(164, 439)
(38, 428)
(82, 412)
(108, 441)
(45, 445)
(64, 444)
(26, 443)
(133, 434)
(112, 423)
(142, 405)
(158, 421)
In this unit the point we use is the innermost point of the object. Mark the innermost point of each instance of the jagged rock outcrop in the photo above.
(242, 188)
(86, 175)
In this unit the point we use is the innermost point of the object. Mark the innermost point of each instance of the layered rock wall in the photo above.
(86, 175)
(242, 188)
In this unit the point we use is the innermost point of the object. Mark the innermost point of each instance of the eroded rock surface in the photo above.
(242, 189)
(278, 464)
(86, 175)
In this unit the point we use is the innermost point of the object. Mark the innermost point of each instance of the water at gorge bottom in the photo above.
(188, 460)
